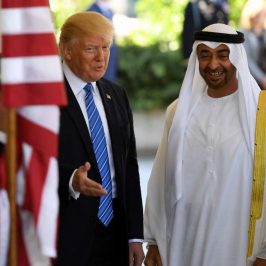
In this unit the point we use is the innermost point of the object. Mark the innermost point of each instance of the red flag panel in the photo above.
(33, 93)
(29, 45)
(24, 3)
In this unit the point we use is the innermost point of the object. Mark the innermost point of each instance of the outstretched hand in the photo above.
(83, 184)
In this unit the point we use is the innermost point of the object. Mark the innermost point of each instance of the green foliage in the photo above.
(165, 18)
(150, 62)
(62, 9)
(151, 77)
(235, 11)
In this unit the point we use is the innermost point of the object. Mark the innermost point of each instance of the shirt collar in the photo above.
(74, 81)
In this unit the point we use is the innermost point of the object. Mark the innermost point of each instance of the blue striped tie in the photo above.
(105, 212)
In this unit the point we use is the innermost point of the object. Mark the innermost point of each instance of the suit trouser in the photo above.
(108, 247)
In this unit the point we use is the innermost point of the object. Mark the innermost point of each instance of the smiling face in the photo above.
(88, 57)
(217, 70)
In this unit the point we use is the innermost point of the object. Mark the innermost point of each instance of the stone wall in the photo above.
(148, 130)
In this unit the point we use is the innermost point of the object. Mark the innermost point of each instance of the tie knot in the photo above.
(88, 88)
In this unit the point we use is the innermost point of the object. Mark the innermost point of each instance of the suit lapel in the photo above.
(75, 113)
(110, 110)
(115, 121)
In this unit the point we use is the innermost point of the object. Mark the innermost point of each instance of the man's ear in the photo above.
(66, 52)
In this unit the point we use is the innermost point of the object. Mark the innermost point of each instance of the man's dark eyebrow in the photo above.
(223, 50)
(204, 51)
(219, 51)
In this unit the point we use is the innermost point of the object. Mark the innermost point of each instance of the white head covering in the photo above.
(192, 89)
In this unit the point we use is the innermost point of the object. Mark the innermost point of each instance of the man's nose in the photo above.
(214, 63)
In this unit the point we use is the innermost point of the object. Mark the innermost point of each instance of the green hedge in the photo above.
(151, 77)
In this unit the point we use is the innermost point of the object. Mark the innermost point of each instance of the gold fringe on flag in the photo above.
(256, 206)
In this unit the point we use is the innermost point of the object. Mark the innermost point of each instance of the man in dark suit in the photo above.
(103, 7)
(84, 239)
(199, 14)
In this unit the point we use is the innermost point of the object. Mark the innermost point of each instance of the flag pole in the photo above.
(11, 183)
(11, 172)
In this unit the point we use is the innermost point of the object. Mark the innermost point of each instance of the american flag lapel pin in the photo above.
(108, 96)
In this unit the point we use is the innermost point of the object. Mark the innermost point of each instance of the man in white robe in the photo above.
(199, 194)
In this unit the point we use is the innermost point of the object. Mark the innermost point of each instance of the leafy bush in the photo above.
(152, 78)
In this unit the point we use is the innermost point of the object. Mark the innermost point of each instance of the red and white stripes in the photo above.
(32, 81)
(30, 64)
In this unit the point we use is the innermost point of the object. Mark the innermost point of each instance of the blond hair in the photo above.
(251, 9)
(84, 24)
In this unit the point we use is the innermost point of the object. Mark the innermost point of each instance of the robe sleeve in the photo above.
(154, 215)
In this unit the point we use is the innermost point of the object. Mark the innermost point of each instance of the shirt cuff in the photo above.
(135, 240)
(72, 192)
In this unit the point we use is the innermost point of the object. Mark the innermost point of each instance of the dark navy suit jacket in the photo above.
(78, 217)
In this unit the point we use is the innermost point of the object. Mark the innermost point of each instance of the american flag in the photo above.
(32, 82)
